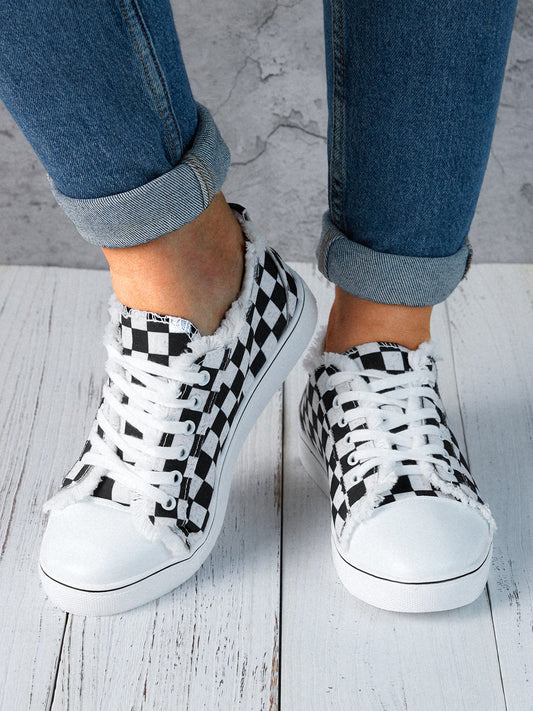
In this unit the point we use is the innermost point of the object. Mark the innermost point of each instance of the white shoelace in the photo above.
(401, 406)
(147, 410)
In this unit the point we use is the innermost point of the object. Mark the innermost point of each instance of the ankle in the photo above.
(194, 272)
(354, 321)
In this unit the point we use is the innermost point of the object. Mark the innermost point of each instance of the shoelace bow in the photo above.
(386, 403)
(146, 410)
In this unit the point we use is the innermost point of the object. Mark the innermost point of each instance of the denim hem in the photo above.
(389, 278)
(160, 206)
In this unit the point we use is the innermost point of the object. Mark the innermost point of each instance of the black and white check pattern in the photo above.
(233, 357)
(153, 337)
(323, 429)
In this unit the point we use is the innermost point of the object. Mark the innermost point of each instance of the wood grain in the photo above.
(491, 317)
(339, 653)
(50, 322)
(214, 643)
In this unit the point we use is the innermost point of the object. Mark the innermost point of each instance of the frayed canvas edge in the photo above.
(235, 316)
(82, 491)
(75, 492)
(364, 508)
(374, 497)
(166, 533)
(459, 495)
(316, 357)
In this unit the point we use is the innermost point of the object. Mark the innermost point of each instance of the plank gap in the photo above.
(58, 665)
(497, 647)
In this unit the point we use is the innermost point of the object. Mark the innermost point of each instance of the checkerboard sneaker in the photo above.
(142, 508)
(409, 530)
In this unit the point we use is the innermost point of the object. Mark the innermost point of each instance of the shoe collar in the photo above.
(352, 360)
(235, 317)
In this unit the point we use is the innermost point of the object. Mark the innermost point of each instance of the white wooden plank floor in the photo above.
(265, 624)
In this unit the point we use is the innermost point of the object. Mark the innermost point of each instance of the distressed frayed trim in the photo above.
(316, 356)
(169, 535)
(364, 508)
(140, 511)
(236, 314)
(75, 492)
(459, 495)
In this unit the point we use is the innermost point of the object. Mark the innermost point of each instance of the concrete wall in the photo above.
(261, 72)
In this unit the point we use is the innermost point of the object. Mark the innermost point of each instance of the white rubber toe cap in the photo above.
(93, 545)
(420, 539)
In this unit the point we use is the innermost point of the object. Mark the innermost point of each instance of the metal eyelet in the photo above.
(342, 422)
(178, 477)
(206, 377)
(169, 505)
(336, 401)
(182, 454)
(194, 402)
(352, 461)
(191, 427)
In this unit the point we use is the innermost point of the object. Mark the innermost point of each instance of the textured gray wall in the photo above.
(261, 72)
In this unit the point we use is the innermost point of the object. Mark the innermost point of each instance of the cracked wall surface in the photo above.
(259, 66)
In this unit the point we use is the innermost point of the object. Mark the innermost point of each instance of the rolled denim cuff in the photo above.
(388, 278)
(160, 206)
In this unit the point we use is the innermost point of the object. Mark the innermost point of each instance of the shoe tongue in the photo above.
(153, 337)
(389, 357)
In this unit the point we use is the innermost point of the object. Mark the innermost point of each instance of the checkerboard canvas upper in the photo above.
(232, 358)
(324, 429)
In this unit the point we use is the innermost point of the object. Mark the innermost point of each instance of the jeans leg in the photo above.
(413, 90)
(100, 91)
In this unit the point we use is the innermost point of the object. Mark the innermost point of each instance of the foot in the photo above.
(353, 320)
(142, 508)
(193, 273)
(410, 532)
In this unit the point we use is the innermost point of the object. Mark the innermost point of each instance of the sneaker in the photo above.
(142, 508)
(409, 531)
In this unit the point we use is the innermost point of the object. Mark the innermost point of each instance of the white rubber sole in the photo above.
(396, 595)
(128, 594)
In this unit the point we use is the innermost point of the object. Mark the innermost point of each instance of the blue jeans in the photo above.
(101, 92)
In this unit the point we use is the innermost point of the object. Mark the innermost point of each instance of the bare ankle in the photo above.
(194, 272)
(354, 321)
